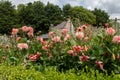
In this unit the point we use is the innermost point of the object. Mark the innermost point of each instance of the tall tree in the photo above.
(33, 14)
(82, 15)
(39, 16)
(66, 10)
(7, 17)
(25, 14)
(101, 17)
(53, 13)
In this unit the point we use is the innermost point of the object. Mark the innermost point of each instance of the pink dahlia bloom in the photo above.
(79, 35)
(18, 38)
(34, 57)
(77, 49)
(71, 52)
(30, 29)
(56, 39)
(22, 46)
(25, 29)
(51, 34)
(116, 39)
(110, 31)
(84, 58)
(84, 27)
(106, 25)
(30, 34)
(40, 39)
(64, 31)
(45, 48)
(14, 31)
(99, 64)
(79, 29)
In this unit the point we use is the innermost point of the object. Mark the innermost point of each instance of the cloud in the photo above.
(111, 6)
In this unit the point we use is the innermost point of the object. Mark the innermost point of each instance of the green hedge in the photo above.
(21, 73)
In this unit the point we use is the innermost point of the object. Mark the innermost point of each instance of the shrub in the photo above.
(21, 73)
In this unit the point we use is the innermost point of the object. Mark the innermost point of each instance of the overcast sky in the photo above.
(111, 6)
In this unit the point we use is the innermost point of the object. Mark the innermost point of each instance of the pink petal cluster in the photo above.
(106, 25)
(66, 37)
(45, 48)
(51, 34)
(22, 46)
(77, 49)
(72, 53)
(84, 27)
(14, 31)
(64, 31)
(56, 39)
(116, 39)
(110, 31)
(25, 29)
(99, 64)
(18, 38)
(79, 35)
(84, 58)
(30, 34)
(34, 57)
(79, 29)
(40, 39)
(29, 30)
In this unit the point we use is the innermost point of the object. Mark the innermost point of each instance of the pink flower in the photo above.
(14, 31)
(38, 54)
(84, 27)
(51, 34)
(30, 29)
(77, 49)
(110, 31)
(56, 39)
(45, 48)
(72, 53)
(40, 39)
(116, 39)
(25, 29)
(84, 58)
(22, 46)
(99, 64)
(67, 37)
(18, 38)
(34, 57)
(79, 35)
(79, 29)
(64, 31)
(30, 34)
(44, 43)
(106, 25)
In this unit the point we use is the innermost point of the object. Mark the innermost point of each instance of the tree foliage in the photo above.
(41, 16)
(101, 17)
(66, 10)
(8, 18)
(82, 14)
